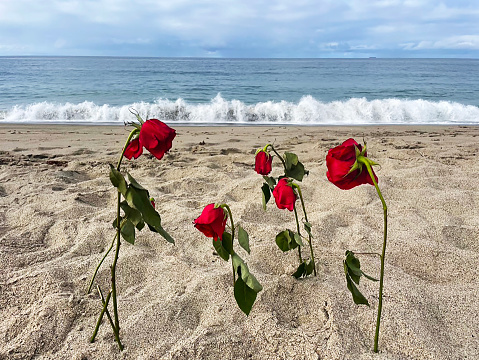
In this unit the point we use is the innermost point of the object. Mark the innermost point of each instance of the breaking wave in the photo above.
(308, 111)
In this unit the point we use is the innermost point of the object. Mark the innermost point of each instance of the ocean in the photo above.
(194, 91)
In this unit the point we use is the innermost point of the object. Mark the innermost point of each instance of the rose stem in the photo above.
(309, 235)
(115, 331)
(105, 305)
(98, 267)
(299, 233)
(118, 242)
(232, 238)
(280, 157)
(381, 279)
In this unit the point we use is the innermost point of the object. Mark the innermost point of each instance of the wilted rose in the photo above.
(212, 221)
(339, 162)
(263, 161)
(284, 195)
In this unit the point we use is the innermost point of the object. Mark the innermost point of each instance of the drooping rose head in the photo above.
(212, 221)
(339, 162)
(156, 137)
(263, 161)
(284, 195)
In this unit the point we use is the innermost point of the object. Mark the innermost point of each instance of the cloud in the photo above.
(303, 28)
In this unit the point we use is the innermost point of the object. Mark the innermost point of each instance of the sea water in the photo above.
(194, 91)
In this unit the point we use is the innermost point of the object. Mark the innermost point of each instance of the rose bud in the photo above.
(263, 161)
(344, 170)
(284, 195)
(212, 221)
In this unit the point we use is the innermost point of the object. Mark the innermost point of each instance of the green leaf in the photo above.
(242, 270)
(285, 242)
(132, 214)
(117, 180)
(296, 171)
(369, 277)
(139, 200)
(227, 242)
(298, 239)
(134, 183)
(243, 239)
(266, 194)
(221, 251)
(290, 160)
(304, 269)
(128, 232)
(270, 181)
(358, 298)
(309, 267)
(307, 227)
(244, 296)
(300, 271)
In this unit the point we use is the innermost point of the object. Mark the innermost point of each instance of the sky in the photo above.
(241, 28)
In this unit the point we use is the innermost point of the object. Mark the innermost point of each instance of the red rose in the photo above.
(153, 203)
(284, 195)
(263, 162)
(339, 162)
(134, 149)
(155, 136)
(212, 221)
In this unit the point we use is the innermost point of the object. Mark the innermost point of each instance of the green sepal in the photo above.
(118, 180)
(285, 240)
(266, 194)
(358, 298)
(244, 296)
(270, 181)
(242, 270)
(220, 250)
(307, 227)
(128, 232)
(243, 239)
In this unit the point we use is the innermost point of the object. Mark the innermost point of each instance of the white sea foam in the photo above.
(308, 111)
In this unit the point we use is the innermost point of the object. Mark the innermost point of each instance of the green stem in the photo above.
(118, 242)
(224, 206)
(100, 318)
(280, 157)
(98, 267)
(381, 279)
(299, 233)
(115, 331)
(309, 235)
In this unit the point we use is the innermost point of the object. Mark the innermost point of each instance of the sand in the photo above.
(176, 301)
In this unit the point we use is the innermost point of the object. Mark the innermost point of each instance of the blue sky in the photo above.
(241, 28)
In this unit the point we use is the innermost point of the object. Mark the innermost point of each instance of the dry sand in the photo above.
(176, 301)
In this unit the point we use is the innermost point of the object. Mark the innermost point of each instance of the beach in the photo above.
(176, 301)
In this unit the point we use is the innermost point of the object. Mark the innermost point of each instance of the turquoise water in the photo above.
(240, 91)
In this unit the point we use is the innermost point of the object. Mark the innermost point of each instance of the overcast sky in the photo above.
(241, 28)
